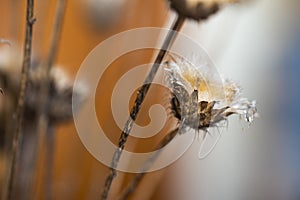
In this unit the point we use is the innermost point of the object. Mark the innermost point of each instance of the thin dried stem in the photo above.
(50, 144)
(137, 105)
(44, 126)
(138, 177)
(57, 27)
(47, 65)
(17, 136)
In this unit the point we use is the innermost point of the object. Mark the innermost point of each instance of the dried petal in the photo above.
(247, 109)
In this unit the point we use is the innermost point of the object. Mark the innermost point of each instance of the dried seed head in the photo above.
(198, 9)
(61, 89)
(185, 80)
(60, 93)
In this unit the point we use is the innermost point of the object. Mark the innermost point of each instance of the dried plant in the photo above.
(45, 123)
(196, 107)
(197, 11)
(59, 111)
(191, 101)
(45, 100)
(17, 136)
(137, 105)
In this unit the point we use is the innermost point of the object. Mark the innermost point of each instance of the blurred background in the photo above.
(255, 43)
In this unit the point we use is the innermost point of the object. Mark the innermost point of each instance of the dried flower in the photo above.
(197, 9)
(200, 103)
(61, 87)
(60, 93)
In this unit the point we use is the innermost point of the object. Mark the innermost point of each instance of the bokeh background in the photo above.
(255, 43)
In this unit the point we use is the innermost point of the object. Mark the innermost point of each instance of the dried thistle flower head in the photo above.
(186, 80)
(200, 105)
(198, 9)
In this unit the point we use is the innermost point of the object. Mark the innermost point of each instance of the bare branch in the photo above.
(17, 136)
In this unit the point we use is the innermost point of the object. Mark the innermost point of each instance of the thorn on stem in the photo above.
(32, 20)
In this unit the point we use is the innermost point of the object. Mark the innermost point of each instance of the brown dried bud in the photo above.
(61, 92)
(197, 9)
(61, 89)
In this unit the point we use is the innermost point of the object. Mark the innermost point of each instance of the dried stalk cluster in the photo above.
(59, 109)
(196, 10)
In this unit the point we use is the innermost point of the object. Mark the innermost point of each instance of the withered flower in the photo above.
(200, 103)
(197, 9)
(60, 93)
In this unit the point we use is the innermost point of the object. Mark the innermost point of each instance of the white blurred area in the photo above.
(252, 44)
(103, 13)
